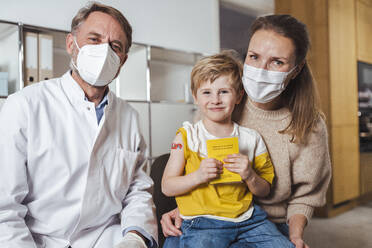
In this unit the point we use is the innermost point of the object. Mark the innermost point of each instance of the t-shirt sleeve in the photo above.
(184, 140)
(262, 162)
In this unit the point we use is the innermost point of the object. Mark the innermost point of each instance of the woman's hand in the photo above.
(209, 169)
(299, 243)
(171, 223)
(297, 225)
(240, 164)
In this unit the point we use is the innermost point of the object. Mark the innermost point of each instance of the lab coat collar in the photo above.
(76, 94)
(104, 101)
(72, 89)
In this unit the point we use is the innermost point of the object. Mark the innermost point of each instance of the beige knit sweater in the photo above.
(302, 172)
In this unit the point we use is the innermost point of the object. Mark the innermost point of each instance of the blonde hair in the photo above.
(301, 95)
(84, 12)
(212, 67)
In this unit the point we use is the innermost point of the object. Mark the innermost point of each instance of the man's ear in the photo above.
(69, 43)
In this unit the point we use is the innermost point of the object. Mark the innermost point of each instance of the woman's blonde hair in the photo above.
(212, 67)
(301, 95)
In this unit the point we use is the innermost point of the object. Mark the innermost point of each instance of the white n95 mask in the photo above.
(262, 85)
(97, 64)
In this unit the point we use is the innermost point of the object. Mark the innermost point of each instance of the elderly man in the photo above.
(71, 152)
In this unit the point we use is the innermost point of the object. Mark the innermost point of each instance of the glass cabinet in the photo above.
(10, 48)
(155, 81)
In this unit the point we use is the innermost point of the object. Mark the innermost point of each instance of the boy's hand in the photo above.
(209, 169)
(240, 164)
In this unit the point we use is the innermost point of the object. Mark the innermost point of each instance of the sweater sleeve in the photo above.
(311, 173)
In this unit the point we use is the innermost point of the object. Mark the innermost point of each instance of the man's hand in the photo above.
(171, 222)
(131, 240)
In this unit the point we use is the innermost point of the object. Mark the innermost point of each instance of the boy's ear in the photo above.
(240, 96)
(195, 99)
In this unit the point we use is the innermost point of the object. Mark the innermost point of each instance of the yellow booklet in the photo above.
(219, 149)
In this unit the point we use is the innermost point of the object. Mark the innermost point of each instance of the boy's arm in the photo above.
(257, 185)
(257, 174)
(263, 169)
(174, 182)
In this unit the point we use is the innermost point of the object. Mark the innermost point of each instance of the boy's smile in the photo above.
(217, 109)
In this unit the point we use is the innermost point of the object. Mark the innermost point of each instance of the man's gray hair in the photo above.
(84, 12)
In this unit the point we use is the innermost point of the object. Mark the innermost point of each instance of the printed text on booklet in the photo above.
(219, 149)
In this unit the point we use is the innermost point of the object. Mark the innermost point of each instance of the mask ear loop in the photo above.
(299, 69)
(291, 77)
(72, 60)
(76, 43)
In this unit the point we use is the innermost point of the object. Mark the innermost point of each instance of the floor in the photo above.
(348, 230)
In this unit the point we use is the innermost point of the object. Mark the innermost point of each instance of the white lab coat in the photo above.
(64, 179)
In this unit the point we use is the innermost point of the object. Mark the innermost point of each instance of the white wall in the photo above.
(189, 25)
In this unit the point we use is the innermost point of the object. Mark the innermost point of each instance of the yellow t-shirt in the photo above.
(224, 200)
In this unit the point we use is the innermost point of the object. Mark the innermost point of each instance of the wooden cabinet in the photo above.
(333, 59)
(366, 173)
(343, 100)
(364, 29)
(364, 53)
(345, 162)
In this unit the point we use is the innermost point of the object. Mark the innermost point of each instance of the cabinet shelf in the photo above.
(156, 82)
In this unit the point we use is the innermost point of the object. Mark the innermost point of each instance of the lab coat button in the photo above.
(88, 108)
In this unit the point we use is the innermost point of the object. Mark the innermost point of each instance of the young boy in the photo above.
(220, 215)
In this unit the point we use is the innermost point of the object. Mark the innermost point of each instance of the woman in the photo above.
(282, 106)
